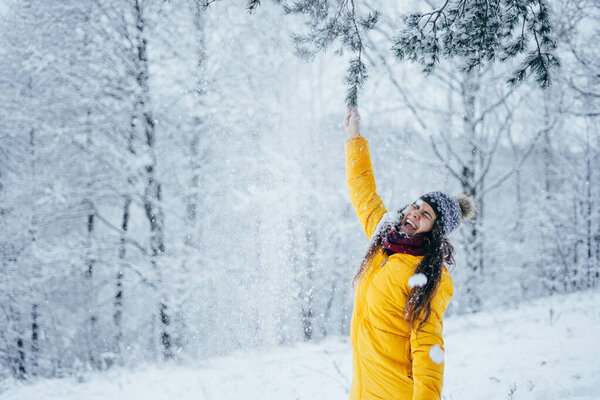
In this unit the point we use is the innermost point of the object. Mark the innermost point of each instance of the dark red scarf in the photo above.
(399, 242)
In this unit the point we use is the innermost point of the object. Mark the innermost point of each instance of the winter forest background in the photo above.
(172, 177)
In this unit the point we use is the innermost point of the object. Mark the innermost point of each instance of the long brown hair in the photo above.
(437, 249)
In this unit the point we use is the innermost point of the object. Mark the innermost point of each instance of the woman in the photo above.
(402, 285)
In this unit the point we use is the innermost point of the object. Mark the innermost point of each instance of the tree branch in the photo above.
(117, 229)
(518, 164)
(491, 108)
(451, 150)
(401, 90)
(443, 160)
(492, 151)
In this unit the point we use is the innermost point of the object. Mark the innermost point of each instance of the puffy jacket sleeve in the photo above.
(427, 364)
(361, 184)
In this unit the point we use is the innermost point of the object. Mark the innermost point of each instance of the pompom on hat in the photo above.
(450, 211)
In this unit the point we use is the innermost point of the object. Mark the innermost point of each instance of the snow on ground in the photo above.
(549, 349)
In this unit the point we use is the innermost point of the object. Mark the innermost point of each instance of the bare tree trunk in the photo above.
(588, 214)
(21, 371)
(518, 229)
(34, 349)
(16, 349)
(90, 259)
(328, 307)
(556, 275)
(303, 275)
(20, 359)
(90, 218)
(118, 300)
(152, 193)
(311, 254)
(575, 261)
(596, 207)
(196, 155)
(474, 256)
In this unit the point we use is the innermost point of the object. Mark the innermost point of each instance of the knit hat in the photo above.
(450, 211)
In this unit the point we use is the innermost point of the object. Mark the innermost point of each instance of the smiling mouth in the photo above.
(410, 223)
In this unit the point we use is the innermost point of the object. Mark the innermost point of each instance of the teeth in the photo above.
(412, 224)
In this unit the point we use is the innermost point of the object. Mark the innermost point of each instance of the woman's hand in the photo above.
(352, 123)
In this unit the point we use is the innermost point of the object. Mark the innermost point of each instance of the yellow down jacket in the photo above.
(390, 361)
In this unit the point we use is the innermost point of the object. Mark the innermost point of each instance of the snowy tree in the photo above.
(474, 32)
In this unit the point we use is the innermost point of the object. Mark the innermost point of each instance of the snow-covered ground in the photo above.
(549, 349)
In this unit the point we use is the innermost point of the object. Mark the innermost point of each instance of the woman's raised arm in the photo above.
(359, 176)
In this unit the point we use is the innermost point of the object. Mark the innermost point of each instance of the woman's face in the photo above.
(419, 218)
